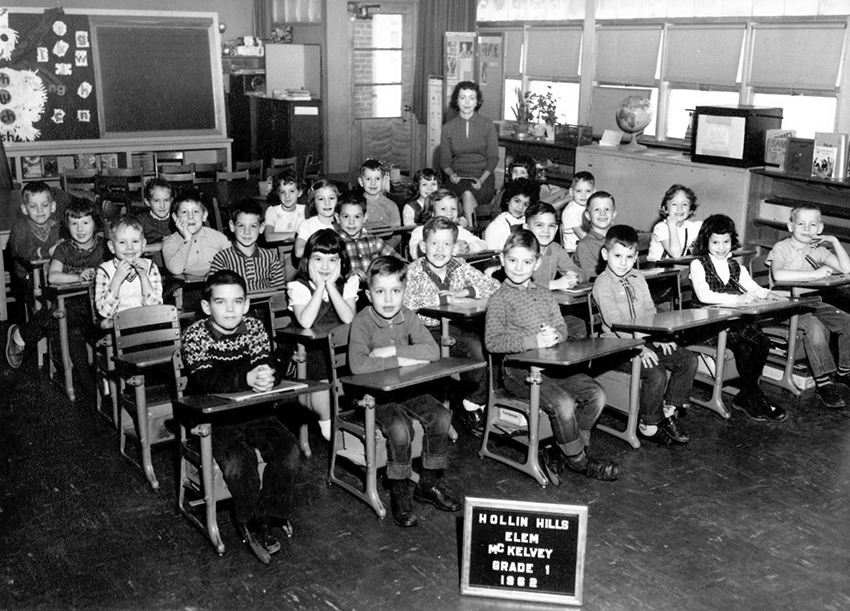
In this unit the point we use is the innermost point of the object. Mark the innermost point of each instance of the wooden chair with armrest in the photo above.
(206, 172)
(145, 339)
(228, 176)
(355, 436)
(78, 180)
(255, 168)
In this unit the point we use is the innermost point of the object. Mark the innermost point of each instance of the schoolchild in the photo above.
(380, 209)
(361, 247)
(517, 196)
(572, 219)
(193, 246)
(284, 214)
(321, 208)
(444, 202)
(157, 222)
(427, 180)
(674, 235)
(600, 214)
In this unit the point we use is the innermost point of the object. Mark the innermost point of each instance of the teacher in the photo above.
(469, 150)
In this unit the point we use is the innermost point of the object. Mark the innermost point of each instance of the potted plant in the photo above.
(545, 107)
(522, 112)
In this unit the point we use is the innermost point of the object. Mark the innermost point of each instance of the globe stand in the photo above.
(633, 145)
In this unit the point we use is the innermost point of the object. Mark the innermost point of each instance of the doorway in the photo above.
(383, 55)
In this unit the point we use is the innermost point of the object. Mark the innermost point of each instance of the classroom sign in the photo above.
(524, 551)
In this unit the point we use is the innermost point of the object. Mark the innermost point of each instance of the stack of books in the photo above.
(296, 95)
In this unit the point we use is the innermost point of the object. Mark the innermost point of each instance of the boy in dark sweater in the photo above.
(387, 335)
(229, 352)
(522, 316)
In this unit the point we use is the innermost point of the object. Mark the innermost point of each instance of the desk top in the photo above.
(64, 290)
(575, 351)
(762, 308)
(207, 405)
(315, 332)
(676, 320)
(820, 283)
(459, 309)
(403, 377)
(670, 262)
(147, 358)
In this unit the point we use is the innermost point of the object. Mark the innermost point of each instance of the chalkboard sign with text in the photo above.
(524, 551)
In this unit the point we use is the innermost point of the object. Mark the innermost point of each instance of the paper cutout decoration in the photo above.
(25, 96)
(8, 37)
(42, 55)
(81, 58)
(63, 69)
(59, 28)
(84, 90)
(58, 116)
(82, 38)
(60, 48)
(83, 116)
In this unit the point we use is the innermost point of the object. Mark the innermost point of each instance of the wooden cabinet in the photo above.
(263, 128)
(542, 150)
(638, 182)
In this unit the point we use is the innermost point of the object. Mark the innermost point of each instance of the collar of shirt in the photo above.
(350, 238)
(633, 273)
(451, 266)
(528, 285)
(79, 248)
(253, 253)
(218, 335)
(384, 323)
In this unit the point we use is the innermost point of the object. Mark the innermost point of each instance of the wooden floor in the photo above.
(747, 517)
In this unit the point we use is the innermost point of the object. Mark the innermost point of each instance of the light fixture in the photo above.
(361, 11)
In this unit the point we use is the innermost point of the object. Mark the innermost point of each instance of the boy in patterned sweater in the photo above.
(439, 278)
(229, 352)
(522, 316)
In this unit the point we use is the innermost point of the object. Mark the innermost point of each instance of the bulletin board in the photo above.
(491, 79)
(83, 75)
(460, 60)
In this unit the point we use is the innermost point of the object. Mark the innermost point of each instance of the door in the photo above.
(383, 85)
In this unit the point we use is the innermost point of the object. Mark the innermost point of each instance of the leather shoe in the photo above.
(594, 468)
(472, 420)
(553, 462)
(401, 506)
(751, 407)
(671, 428)
(14, 352)
(439, 496)
(831, 396)
(775, 413)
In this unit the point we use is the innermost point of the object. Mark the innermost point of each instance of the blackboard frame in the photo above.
(500, 521)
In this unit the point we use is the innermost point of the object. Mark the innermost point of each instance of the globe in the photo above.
(633, 116)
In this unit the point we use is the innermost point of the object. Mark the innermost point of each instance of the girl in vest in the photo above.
(718, 279)
(324, 292)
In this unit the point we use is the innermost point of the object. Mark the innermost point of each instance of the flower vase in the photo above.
(550, 132)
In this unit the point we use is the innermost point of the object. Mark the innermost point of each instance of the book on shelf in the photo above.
(51, 166)
(144, 161)
(31, 167)
(798, 157)
(775, 147)
(64, 162)
(85, 161)
(830, 147)
(108, 160)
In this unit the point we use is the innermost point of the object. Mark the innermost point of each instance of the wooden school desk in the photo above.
(565, 354)
(199, 412)
(686, 260)
(676, 322)
(61, 292)
(800, 287)
(390, 380)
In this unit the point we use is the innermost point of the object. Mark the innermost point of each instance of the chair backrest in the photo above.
(279, 314)
(594, 317)
(122, 182)
(146, 328)
(255, 168)
(228, 176)
(338, 351)
(760, 271)
(313, 166)
(182, 177)
(181, 379)
(80, 180)
(217, 219)
(206, 172)
(285, 162)
(174, 168)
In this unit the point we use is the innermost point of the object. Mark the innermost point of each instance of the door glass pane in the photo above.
(377, 67)
(805, 113)
(386, 31)
(377, 101)
(681, 102)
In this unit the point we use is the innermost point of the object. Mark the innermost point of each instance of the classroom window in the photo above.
(681, 102)
(378, 67)
(805, 113)
(567, 94)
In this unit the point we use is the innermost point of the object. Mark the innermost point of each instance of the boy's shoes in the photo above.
(437, 495)
(831, 395)
(670, 428)
(473, 420)
(594, 468)
(775, 413)
(14, 352)
(553, 462)
(401, 504)
(751, 407)
(261, 542)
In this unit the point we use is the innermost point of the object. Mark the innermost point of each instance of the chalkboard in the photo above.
(88, 74)
(524, 551)
(154, 77)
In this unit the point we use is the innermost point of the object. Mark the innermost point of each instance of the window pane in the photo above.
(386, 31)
(511, 85)
(805, 113)
(680, 103)
(565, 93)
(377, 67)
(379, 101)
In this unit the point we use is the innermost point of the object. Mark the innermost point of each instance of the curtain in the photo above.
(436, 17)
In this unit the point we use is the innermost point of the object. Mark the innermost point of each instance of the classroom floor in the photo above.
(748, 516)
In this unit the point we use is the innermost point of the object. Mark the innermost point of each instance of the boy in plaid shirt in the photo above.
(361, 247)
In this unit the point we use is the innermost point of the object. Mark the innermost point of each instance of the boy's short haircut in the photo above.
(438, 223)
(371, 164)
(522, 238)
(387, 265)
(716, 224)
(583, 176)
(157, 181)
(432, 200)
(287, 177)
(804, 207)
(246, 206)
(670, 193)
(188, 195)
(80, 207)
(602, 195)
(621, 234)
(426, 174)
(351, 198)
(125, 220)
(523, 161)
(33, 188)
(540, 208)
(221, 278)
(520, 186)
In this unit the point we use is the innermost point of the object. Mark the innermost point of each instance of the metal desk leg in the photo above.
(300, 359)
(209, 492)
(61, 314)
(715, 403)
(138, 382)
(787, 380)
(634, 403)
(532, 465)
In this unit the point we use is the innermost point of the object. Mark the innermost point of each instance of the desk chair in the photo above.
(284, 163)
(255, 168)
(183, 179)
(355, 435)
(313, 168)
(145, 339)
(206, 172)
(122, 185)
(103, 359)
(174, 168)
(166, 159)
(228, 176)
(511, 418)
(78, 180)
